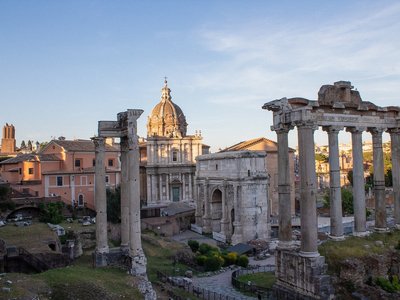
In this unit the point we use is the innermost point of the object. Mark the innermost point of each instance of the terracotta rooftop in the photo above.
(270, 146)
(31, 157)
(80, 145)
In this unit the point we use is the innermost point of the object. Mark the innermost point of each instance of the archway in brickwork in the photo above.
(216, 210)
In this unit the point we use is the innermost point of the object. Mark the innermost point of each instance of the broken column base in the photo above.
(138, 264)
(299, 277)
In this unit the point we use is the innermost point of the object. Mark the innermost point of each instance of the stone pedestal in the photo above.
(299, 277)
(138, 266)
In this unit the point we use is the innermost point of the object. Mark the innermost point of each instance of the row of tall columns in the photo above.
(308, 184)
(130, 194)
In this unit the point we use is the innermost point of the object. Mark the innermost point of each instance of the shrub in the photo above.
(390, 286)
(207, 249)
(242, 261)
(213, 263)
(231, 258)
(194, 245)
(7, 205)
(201, 259)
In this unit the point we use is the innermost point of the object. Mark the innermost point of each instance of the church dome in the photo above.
(167, 118)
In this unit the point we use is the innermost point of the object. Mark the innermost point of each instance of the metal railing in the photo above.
(250, 287)
(199, 292)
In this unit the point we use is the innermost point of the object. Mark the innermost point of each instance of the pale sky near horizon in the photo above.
(65, 65)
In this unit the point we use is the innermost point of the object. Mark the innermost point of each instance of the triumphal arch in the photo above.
(130, 251)
(339, 107)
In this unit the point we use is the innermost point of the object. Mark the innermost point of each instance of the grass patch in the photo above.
(357, 247)
(160, 253)
(263, 279)
(35, 237)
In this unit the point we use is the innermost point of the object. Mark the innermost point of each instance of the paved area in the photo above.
(220, 283)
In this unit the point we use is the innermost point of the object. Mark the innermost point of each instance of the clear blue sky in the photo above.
(64, 65)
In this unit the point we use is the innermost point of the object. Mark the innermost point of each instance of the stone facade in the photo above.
(232, 195)
(271, 148)
(170, 160)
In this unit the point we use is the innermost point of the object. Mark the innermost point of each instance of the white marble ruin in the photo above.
(232, 196)
(124, 128)
(338, 107)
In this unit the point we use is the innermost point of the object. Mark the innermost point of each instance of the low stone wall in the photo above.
(299, 277)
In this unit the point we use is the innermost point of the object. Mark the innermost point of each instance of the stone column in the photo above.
(190, 187)
(358, 182)
(199, 206)
(334, 183)
(285, 211)
(379, 180)
(135, 243)
(395, 147)
(124, 194)
(237, 224)
(308, 189)
(167, 186)
(207, 213)
(183, 186)
(149, 198)
(160, 192)
(225, 218)
(100, 197)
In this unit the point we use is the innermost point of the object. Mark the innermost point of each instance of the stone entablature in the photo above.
(232, 195)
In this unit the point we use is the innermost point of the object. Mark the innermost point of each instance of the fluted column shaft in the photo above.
(334, 183)
(395, 149)
(358, 182)
(285, 221)
(100, 197)
(379, 180)
(135, 242)
(308, 186)
(124, 194)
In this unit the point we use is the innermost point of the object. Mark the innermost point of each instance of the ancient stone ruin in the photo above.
(338, 107)
(130, 250)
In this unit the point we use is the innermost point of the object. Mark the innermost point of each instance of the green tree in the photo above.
(114, 205)
(51, 212)
(347, 202)
(23, 145)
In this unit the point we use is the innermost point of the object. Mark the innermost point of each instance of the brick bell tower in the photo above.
(8, 139)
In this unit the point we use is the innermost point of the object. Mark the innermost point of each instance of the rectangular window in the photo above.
(78, 163)
(174, 156)
(107, 179)
(30, 171)
(59, 181)
(110, 162)
(94, 162)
